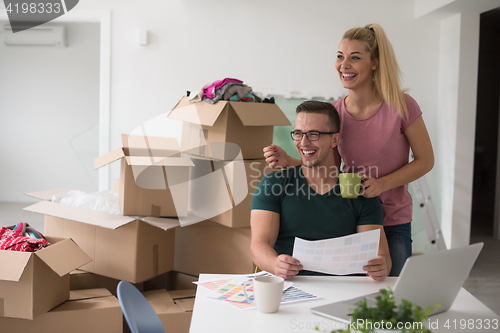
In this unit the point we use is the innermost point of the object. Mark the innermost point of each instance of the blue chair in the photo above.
(139, 314)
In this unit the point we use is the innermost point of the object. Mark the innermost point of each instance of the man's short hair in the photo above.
(322, 108)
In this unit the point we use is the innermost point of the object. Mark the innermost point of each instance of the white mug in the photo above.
(267, 293)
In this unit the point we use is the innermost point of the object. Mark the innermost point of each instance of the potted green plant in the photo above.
(387, 316)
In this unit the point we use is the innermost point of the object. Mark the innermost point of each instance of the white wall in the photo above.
(276, 47)
(49, 115)
(465, 135)
(449, 58)
(458, 59)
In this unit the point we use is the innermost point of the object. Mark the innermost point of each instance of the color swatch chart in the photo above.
(212, 285)
(231, 291)
(341, 255)
(290, 295)
(216, 284)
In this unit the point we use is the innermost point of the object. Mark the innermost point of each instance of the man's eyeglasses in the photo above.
(311, 135)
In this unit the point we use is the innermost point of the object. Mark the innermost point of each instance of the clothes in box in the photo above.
(248, 126)
(32, 283)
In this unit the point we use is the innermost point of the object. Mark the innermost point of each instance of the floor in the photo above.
(483, 281)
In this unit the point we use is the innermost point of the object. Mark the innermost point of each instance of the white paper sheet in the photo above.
(341, 255)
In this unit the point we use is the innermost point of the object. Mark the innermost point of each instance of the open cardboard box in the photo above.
(122, 247)
(153, 176)
(79, 279)
(93, 310)
(181, 281)
(247, 125)
(32, 283)
(174, 307)
(226, 198)
(171, 281)
(208, 247)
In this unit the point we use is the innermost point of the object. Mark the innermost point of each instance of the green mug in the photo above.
(350, 185)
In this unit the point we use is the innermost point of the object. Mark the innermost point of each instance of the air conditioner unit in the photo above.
(44, 35)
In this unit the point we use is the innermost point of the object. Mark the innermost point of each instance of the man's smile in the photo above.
(308, 152)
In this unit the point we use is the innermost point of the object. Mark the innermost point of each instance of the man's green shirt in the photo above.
(308, 215)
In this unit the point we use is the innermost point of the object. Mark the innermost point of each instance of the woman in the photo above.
(379, 123)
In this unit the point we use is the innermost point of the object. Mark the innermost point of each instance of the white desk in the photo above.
(211, 315)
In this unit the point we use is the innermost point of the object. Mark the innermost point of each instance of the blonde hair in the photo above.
(387, 75)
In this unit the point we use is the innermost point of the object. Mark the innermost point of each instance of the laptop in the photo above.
(426, 280)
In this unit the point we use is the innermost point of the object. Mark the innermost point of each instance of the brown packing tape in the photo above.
(155, 210)
(155, 260)
(1, 308)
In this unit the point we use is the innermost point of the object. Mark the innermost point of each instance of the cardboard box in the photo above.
(116, 186)
(221, 191)
(80, 280)
(239, 215)
(153, 176)
(32, 283)
(249, 126)
(163, 281)
(181, 281)
(175, 308)
(171, 281)
(177, 318)
(121, 247)
(95, 311)
(208, 247)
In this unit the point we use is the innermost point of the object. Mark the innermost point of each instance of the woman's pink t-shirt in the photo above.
(377, 146)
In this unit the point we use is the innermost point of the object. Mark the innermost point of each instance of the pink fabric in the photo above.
(209, 91)
(13, 240)
(377, 146)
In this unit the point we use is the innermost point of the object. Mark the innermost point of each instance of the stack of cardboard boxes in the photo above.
(161, 186)
(31, 283)
(35, 293)
(224, 138)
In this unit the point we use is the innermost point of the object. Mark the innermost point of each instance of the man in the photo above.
(305, 201)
